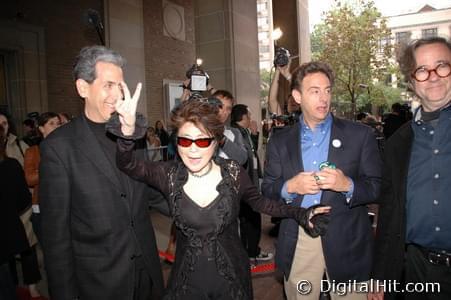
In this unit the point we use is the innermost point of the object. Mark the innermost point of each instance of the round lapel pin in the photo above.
(336, 143)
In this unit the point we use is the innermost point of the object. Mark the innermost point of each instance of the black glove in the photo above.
(114, 127)
(319, 221)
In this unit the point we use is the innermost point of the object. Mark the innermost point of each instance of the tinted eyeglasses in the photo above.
(201, 143)
(422, 74)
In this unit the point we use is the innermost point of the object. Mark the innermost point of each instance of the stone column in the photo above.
(124, 32)
(226, 40)
(292, 18)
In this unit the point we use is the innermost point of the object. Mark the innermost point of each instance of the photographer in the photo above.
(281, 115)
(196, 83)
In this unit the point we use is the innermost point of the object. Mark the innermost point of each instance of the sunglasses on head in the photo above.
(201, 143)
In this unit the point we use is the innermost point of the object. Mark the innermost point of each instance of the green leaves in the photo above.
(355, 40)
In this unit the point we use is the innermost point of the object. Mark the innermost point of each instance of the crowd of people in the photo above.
(94, 179)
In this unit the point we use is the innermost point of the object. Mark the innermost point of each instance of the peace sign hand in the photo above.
(127, 109)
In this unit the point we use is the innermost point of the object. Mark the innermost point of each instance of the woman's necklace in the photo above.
(210, 166)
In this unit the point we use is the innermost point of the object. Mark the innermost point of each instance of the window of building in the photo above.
(430, 32)
(403, 37)
(262, 21)
(264, 48)
(263, 35)
(261, 7)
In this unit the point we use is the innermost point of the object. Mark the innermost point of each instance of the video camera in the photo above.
(281, 57)
(198, 78)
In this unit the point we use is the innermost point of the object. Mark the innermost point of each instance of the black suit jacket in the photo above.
(92, 225)
(348, 244)
(391, 228)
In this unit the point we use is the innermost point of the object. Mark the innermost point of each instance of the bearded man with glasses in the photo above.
(414, 232)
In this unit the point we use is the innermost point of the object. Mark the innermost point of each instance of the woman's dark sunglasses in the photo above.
(201, 143)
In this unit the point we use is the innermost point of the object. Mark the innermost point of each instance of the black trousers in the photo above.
(419, 269)
(36, 222)
(205, 283)
(250, 229)
(143, 282)
(30, 267)
(7, 286)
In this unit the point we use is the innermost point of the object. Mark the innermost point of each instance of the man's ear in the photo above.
(82, 87)
(296, 96)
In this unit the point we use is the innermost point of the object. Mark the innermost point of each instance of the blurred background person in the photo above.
(153, 145)
(163, 136)
(15, 198)
(47, 122)
(64, 118)
(31, 136)
(250, 220)
(15, 148)
(394, 119)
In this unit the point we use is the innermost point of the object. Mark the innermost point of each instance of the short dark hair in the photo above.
(238, 111)
(406, 59)
(310, 68)
(28, 122)
(45, 117)
(85, 63)
(223, 94)
(396, 107)
(200, 113)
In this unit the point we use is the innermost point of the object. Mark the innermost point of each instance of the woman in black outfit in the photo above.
(204, 193)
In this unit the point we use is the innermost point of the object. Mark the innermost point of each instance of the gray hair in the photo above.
(85, 63)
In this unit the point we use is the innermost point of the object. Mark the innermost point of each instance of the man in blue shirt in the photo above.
(414, 229)
(292, 174)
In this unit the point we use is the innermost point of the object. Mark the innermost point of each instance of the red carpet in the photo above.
(23, 294)
(257, 269)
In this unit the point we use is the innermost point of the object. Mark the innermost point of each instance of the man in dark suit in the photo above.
(414, 231)
(97, 238)
(294, 175)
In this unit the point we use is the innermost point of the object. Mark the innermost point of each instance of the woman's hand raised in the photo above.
(126, 108)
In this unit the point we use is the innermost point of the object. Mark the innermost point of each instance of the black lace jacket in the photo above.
(223, 241)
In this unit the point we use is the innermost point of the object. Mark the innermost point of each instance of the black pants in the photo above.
(36, 222)
(30, 267)
(143, 282)
(419, 269)
(205, 283)
(250, 229)
(7, 286)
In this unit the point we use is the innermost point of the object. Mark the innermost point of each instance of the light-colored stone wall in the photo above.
(124, 29)
(416, 22)
(226, 40)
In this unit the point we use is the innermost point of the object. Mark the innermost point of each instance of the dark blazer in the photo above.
(93, 224)
(348, 244)
(391, 228)
(14, 199)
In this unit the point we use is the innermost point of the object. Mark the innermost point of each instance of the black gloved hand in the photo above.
(319, 221)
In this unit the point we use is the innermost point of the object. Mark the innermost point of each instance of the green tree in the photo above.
(355, 40)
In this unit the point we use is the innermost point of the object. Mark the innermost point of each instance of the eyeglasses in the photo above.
(201, 143)
(422, 74)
